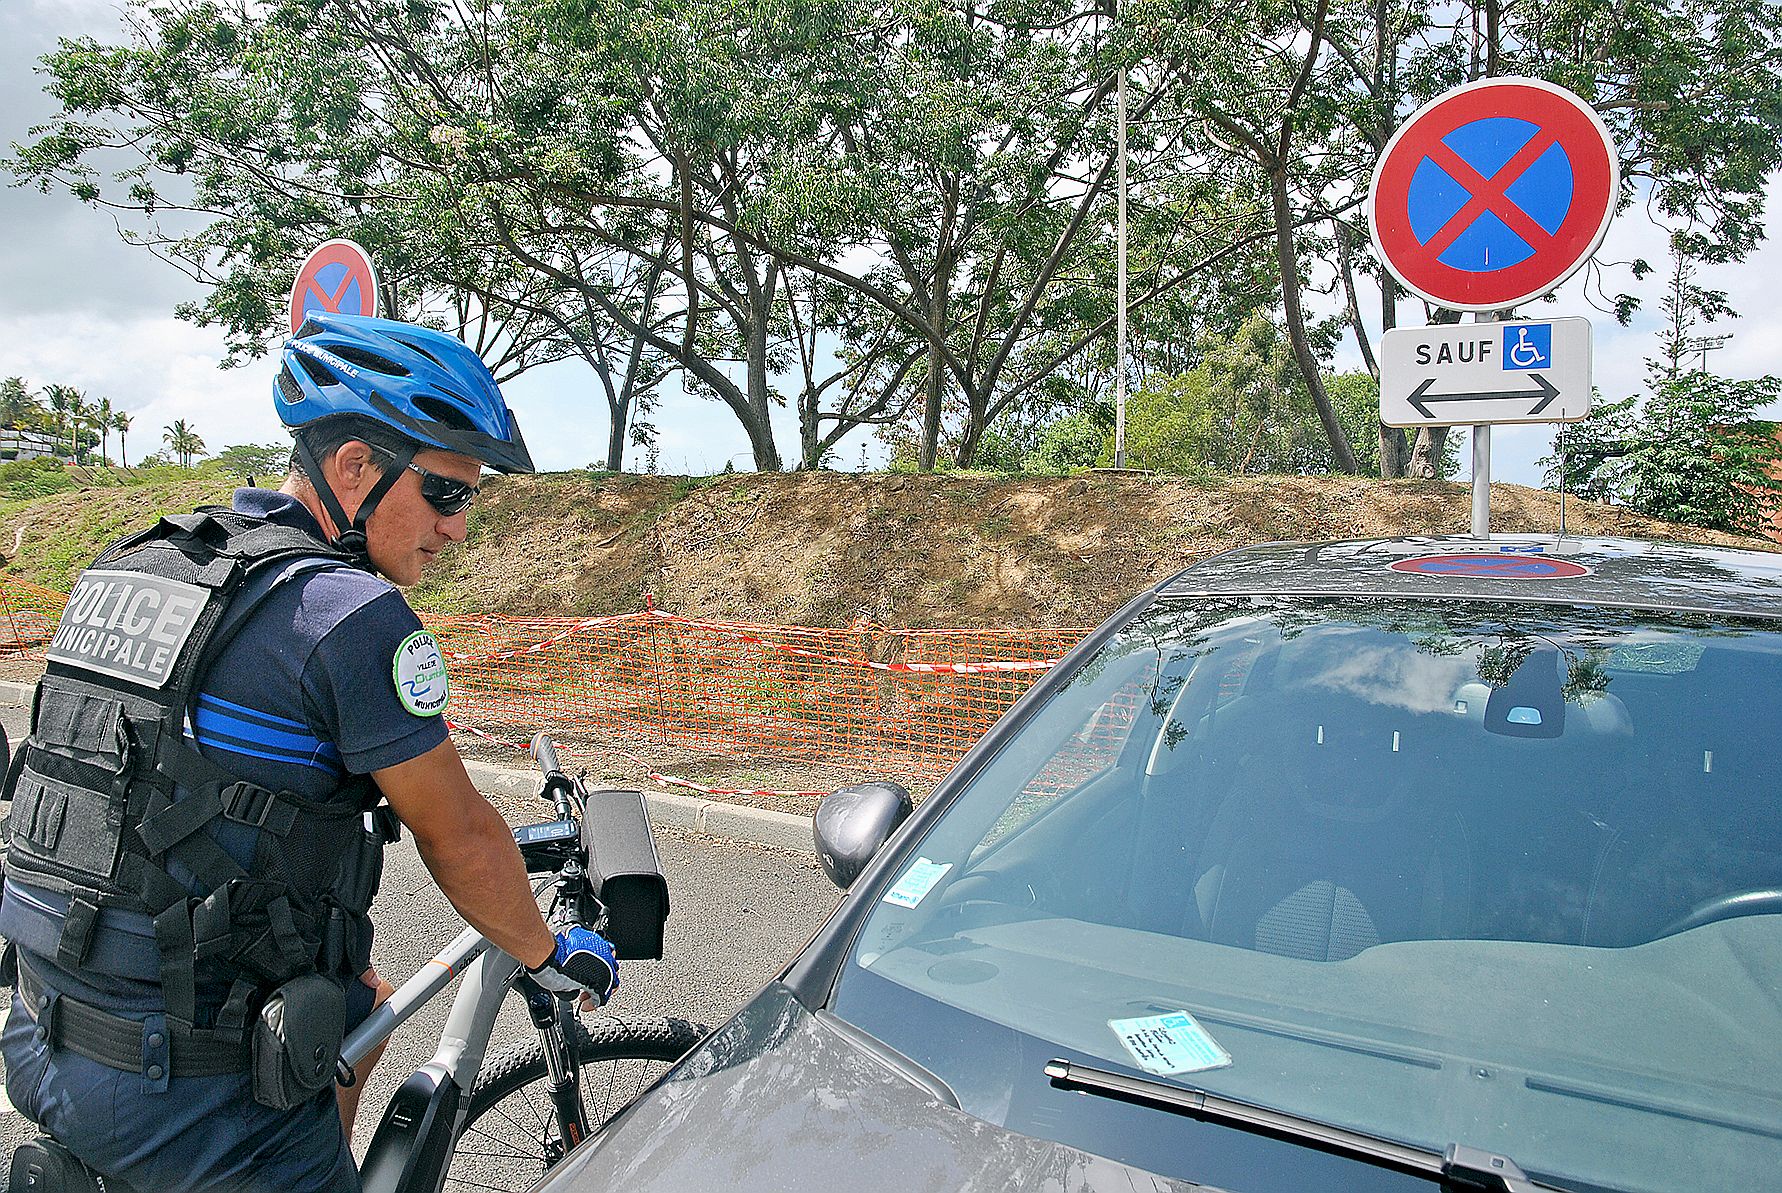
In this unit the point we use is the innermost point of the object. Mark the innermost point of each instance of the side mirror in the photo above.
(852, 823)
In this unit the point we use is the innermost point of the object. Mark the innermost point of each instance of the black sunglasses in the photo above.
(444, 494)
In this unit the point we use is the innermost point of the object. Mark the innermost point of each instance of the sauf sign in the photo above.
(1519, 371)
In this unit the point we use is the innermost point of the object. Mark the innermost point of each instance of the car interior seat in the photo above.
(1333, 838)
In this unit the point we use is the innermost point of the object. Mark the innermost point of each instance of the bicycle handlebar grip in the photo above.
(544, 752)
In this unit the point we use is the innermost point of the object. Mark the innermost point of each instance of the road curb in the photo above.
(714, 818)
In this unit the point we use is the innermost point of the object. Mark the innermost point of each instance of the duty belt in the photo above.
(127, 1044)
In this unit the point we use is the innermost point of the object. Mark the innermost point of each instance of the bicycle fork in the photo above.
(554, 1018)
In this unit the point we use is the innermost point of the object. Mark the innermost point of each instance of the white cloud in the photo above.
(154, 366)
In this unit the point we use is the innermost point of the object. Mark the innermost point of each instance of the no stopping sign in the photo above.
(1493, 193)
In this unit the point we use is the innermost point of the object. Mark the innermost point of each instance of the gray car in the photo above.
(1369, 865)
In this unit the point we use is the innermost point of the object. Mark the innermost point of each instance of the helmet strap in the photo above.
(352, 540)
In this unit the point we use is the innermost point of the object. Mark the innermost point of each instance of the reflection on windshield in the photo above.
(1496, 874)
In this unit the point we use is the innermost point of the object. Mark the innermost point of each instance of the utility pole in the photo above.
(1120, 267)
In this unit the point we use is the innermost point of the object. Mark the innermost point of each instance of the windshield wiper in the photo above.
(1462, 1168)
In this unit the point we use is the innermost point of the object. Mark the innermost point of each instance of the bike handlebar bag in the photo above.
(625, 872)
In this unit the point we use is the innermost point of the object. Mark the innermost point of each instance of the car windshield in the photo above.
(1503, 875)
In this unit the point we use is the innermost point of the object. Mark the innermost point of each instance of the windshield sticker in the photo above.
(1491, 567)
(916, 882)
(420, 675)
(1170, 1044)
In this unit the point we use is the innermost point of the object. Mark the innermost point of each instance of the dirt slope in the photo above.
(834, 548)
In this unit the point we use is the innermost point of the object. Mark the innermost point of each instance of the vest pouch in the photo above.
(68, 800)
(72, 829)
(297, 1041)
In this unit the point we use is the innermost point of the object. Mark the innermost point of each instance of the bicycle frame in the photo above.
(413, 1144)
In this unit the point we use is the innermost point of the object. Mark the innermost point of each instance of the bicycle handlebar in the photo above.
(558, 785)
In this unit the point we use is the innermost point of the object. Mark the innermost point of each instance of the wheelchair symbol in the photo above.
(1530, 348)
(1525, 355)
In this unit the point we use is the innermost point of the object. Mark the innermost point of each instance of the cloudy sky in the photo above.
(81, 308)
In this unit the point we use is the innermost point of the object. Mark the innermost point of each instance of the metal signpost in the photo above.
(337, 277)
(1490, 195)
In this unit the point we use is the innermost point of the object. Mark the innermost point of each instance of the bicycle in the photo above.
(464, 1120)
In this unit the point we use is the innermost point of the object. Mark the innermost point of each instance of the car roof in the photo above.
(1626, 573)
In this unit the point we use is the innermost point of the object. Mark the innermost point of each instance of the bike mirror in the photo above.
(853, 823)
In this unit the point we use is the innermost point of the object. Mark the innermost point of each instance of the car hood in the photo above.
(784, 1099)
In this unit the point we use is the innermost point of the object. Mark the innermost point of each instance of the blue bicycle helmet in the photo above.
(425, 387)
(423, 384)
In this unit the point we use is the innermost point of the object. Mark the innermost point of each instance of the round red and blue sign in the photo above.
(1494, 193)
(1482, 565)
(337, 277)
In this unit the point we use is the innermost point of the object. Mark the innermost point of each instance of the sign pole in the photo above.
(1482, 461)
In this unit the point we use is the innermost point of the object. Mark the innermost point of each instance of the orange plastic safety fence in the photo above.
(905, 702)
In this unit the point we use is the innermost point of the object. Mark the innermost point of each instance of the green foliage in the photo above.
(22, 480)
(1074, 441)
(1244, 409)
(19, 408)
(259, 461)
(893, 212)
(1694, 451)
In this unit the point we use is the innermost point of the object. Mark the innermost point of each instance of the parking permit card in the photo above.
(1170, 1044)
(916, 882)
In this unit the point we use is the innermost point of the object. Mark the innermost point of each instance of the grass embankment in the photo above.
(835, 548)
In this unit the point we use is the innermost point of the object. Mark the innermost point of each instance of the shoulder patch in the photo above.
(420, 674)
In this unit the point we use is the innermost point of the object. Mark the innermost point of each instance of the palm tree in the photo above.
(80, 420)
(62, 400)
(183, 440)
(120, 421)
(102, 420)
(17, 406)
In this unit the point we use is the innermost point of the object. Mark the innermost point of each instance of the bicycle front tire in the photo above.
(510, 1137)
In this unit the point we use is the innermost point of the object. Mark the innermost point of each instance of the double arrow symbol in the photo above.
(1421, 399)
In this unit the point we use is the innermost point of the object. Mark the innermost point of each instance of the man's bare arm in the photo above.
(469, 850)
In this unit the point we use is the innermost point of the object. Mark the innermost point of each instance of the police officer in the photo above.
(236, 713)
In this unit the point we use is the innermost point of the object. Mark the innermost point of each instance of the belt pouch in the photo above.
(42, 1165)
(297, 1041)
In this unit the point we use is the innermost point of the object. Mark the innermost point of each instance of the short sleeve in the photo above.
(351, 681)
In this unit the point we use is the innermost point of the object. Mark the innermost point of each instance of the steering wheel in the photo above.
(1767, 901)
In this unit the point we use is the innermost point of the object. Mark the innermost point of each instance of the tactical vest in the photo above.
(115, 811)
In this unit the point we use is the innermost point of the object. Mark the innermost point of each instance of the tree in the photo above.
(876, 212)
(1694, 451)
(120, 421)
(183, 441)
(102, 422)
(251, 461)
(64, 401)
(18, 409)
(1245, 410)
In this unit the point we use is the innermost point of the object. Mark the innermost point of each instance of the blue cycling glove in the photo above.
(584, 960)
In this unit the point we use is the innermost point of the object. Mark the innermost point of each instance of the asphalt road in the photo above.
(740, 911)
